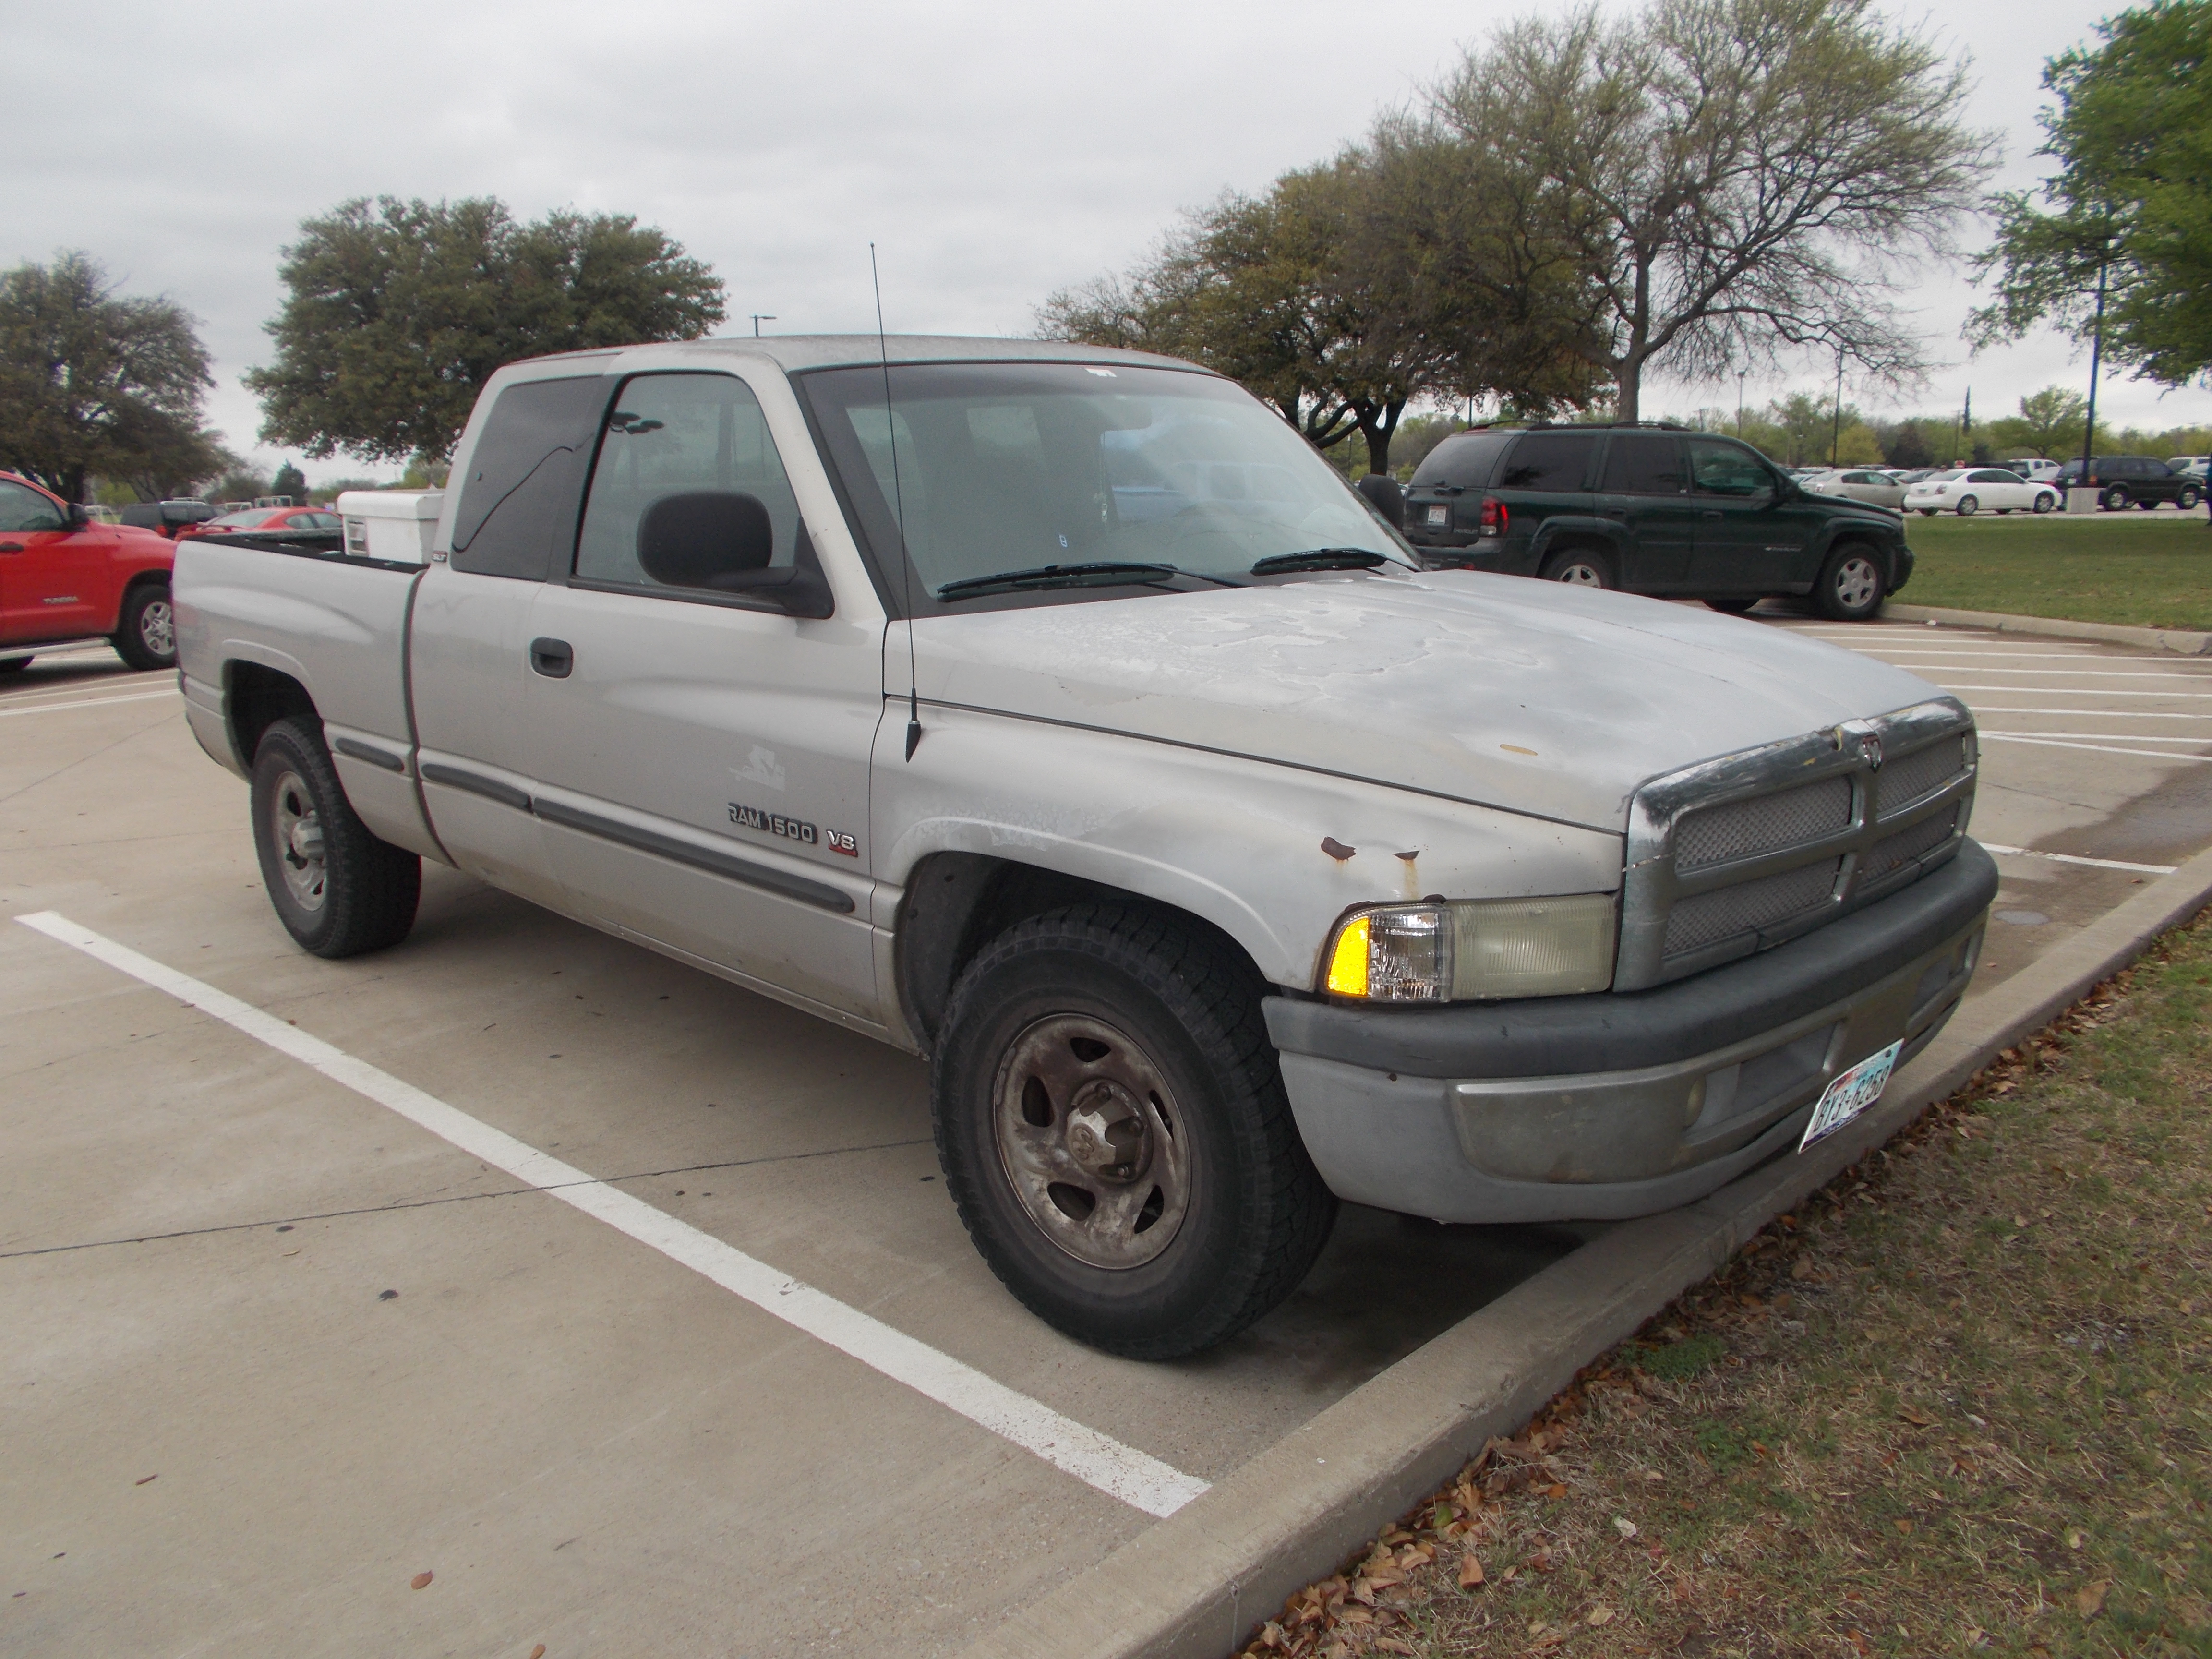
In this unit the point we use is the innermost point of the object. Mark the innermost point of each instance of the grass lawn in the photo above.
(2151, 569)
(1961, 1402)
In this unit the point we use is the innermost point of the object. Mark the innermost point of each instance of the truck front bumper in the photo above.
(1597, 1107)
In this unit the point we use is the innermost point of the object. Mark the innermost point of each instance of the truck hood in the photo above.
(1533, 697)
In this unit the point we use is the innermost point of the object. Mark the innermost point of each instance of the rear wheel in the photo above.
(15, 666)
(1968, 505)
(1850, 588)
(146, 636)
(2116, 499)
(338, 890)
(1111, 1122)
(1733, 607)
(1579, 566)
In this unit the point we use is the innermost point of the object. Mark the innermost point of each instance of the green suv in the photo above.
(1651, 509)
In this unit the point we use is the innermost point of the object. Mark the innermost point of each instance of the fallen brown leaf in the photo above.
(2089, 1600)
(1913, 1417)
(1905, 1527)
(538, 1652)
(420, 1581)
(1600, 1614)
(1470, 1572)
(143, 1479)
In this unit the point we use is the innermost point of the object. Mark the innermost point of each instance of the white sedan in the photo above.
(1968, 491)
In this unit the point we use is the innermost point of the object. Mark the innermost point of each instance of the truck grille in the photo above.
(1737, 854)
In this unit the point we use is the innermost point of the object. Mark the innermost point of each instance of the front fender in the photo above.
(1237, 842)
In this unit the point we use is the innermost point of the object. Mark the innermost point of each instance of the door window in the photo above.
(1550, 461)
(695, 447)
(518, 505)
(1644, 464)
(1721, 468)
(22, 509)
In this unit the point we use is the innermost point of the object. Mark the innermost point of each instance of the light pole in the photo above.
(1835, 433)
(2096, 350)
(1740, 374)
(760, 317)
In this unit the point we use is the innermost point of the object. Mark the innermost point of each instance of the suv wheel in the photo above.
(1579, 568)
(338, 890)
(1968, 505)
(1732, 607)
(1111, 1122)
(2116, 499)
(2187, 499)
(146, 636)
(1850, 588)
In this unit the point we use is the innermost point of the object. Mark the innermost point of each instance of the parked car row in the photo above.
(64, 576)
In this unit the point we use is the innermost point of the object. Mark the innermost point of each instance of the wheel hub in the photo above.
(157, 628)
(296, 829)
(1091, 1140)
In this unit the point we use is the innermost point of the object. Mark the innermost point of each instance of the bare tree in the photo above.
(1741, 180)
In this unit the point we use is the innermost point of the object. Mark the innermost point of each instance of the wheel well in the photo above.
(957, 902)
(258, 697)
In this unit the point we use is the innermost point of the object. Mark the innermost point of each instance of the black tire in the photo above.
(2116, 499)
(2187, 500)
(2044, 503)
(1968, 505)
(1925, 512)
(338, 890)
(1731, 607)
(1851, 584)
(146, 635)
(15, 666)
(1120, 1009)
(1580, 567)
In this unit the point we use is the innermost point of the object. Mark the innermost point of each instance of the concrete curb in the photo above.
(2180, 641)
(1196, 1584)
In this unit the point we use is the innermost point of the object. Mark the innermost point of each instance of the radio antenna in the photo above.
(898, 503)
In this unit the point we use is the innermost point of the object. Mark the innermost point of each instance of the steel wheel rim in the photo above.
(1967, 505)
(296, 830)
(1105, 1175)
(157, 628)
(2044, 503)
(1857, 582)
(1581, 573)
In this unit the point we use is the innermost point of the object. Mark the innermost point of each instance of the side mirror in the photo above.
(722, 541)
(1384, 496)
(78, 516)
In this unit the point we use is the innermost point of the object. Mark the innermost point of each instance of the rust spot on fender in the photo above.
(1336, 849)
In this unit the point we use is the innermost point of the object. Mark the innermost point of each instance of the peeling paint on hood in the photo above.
(1531, 696)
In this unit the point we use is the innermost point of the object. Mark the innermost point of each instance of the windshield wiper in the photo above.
(1101, 572)
(1321, 558)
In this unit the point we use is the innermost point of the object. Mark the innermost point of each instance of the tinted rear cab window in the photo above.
(517, 513)
(1549, 463)
(1464, 462)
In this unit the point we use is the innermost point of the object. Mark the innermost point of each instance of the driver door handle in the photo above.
(552, 657)
(1710, 512)
(11, 547)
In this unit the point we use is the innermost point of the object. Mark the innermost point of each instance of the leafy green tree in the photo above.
(289, 481)
(2118, 251)
(92, 382)
(239, 485)
(1741, 180)
(399, 312)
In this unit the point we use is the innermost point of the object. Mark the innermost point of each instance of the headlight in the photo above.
(1471, 950)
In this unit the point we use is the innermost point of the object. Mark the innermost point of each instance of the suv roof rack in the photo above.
(1579, 426)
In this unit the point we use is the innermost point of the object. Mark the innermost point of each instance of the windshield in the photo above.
(246, 520)
(1015, 467)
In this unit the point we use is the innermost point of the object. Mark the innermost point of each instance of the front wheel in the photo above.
(146, 635)
(1111, 1123)
(2044, 503)
(1578, 568)
(338, 890)
(2186, 500)
(1850, 588)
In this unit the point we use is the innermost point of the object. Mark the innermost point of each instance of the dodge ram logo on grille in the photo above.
(1870, 751)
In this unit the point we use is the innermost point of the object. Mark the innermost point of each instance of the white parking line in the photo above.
(2092, 748)
(2090, 674)
(2035, 656)
(2100, 737)
(1133, 1477)
(2093, 714)
(84, 702)
(2075, 858)
(2071, 691)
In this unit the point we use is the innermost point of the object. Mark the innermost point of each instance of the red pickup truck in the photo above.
(64, 578)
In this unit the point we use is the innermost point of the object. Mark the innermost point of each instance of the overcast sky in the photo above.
(993, 152)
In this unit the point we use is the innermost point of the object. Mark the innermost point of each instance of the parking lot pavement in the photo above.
(2096, 766)
(587, 1174)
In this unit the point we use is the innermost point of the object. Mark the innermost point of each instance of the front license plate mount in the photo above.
(1850, 1093)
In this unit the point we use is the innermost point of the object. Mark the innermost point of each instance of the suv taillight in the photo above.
(1494, 517)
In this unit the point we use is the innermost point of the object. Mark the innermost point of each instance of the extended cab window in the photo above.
(1721, 468)
(1644, 463)
(518, 504)
(689, 451)
(1552, 461)
(26, 509)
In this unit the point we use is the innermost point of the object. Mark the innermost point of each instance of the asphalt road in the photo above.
(293, 1317)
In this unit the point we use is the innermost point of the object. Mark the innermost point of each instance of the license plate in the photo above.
(1851, 1093)
(1440, 515)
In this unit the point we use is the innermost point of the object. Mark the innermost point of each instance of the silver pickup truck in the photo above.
(1059, 715)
